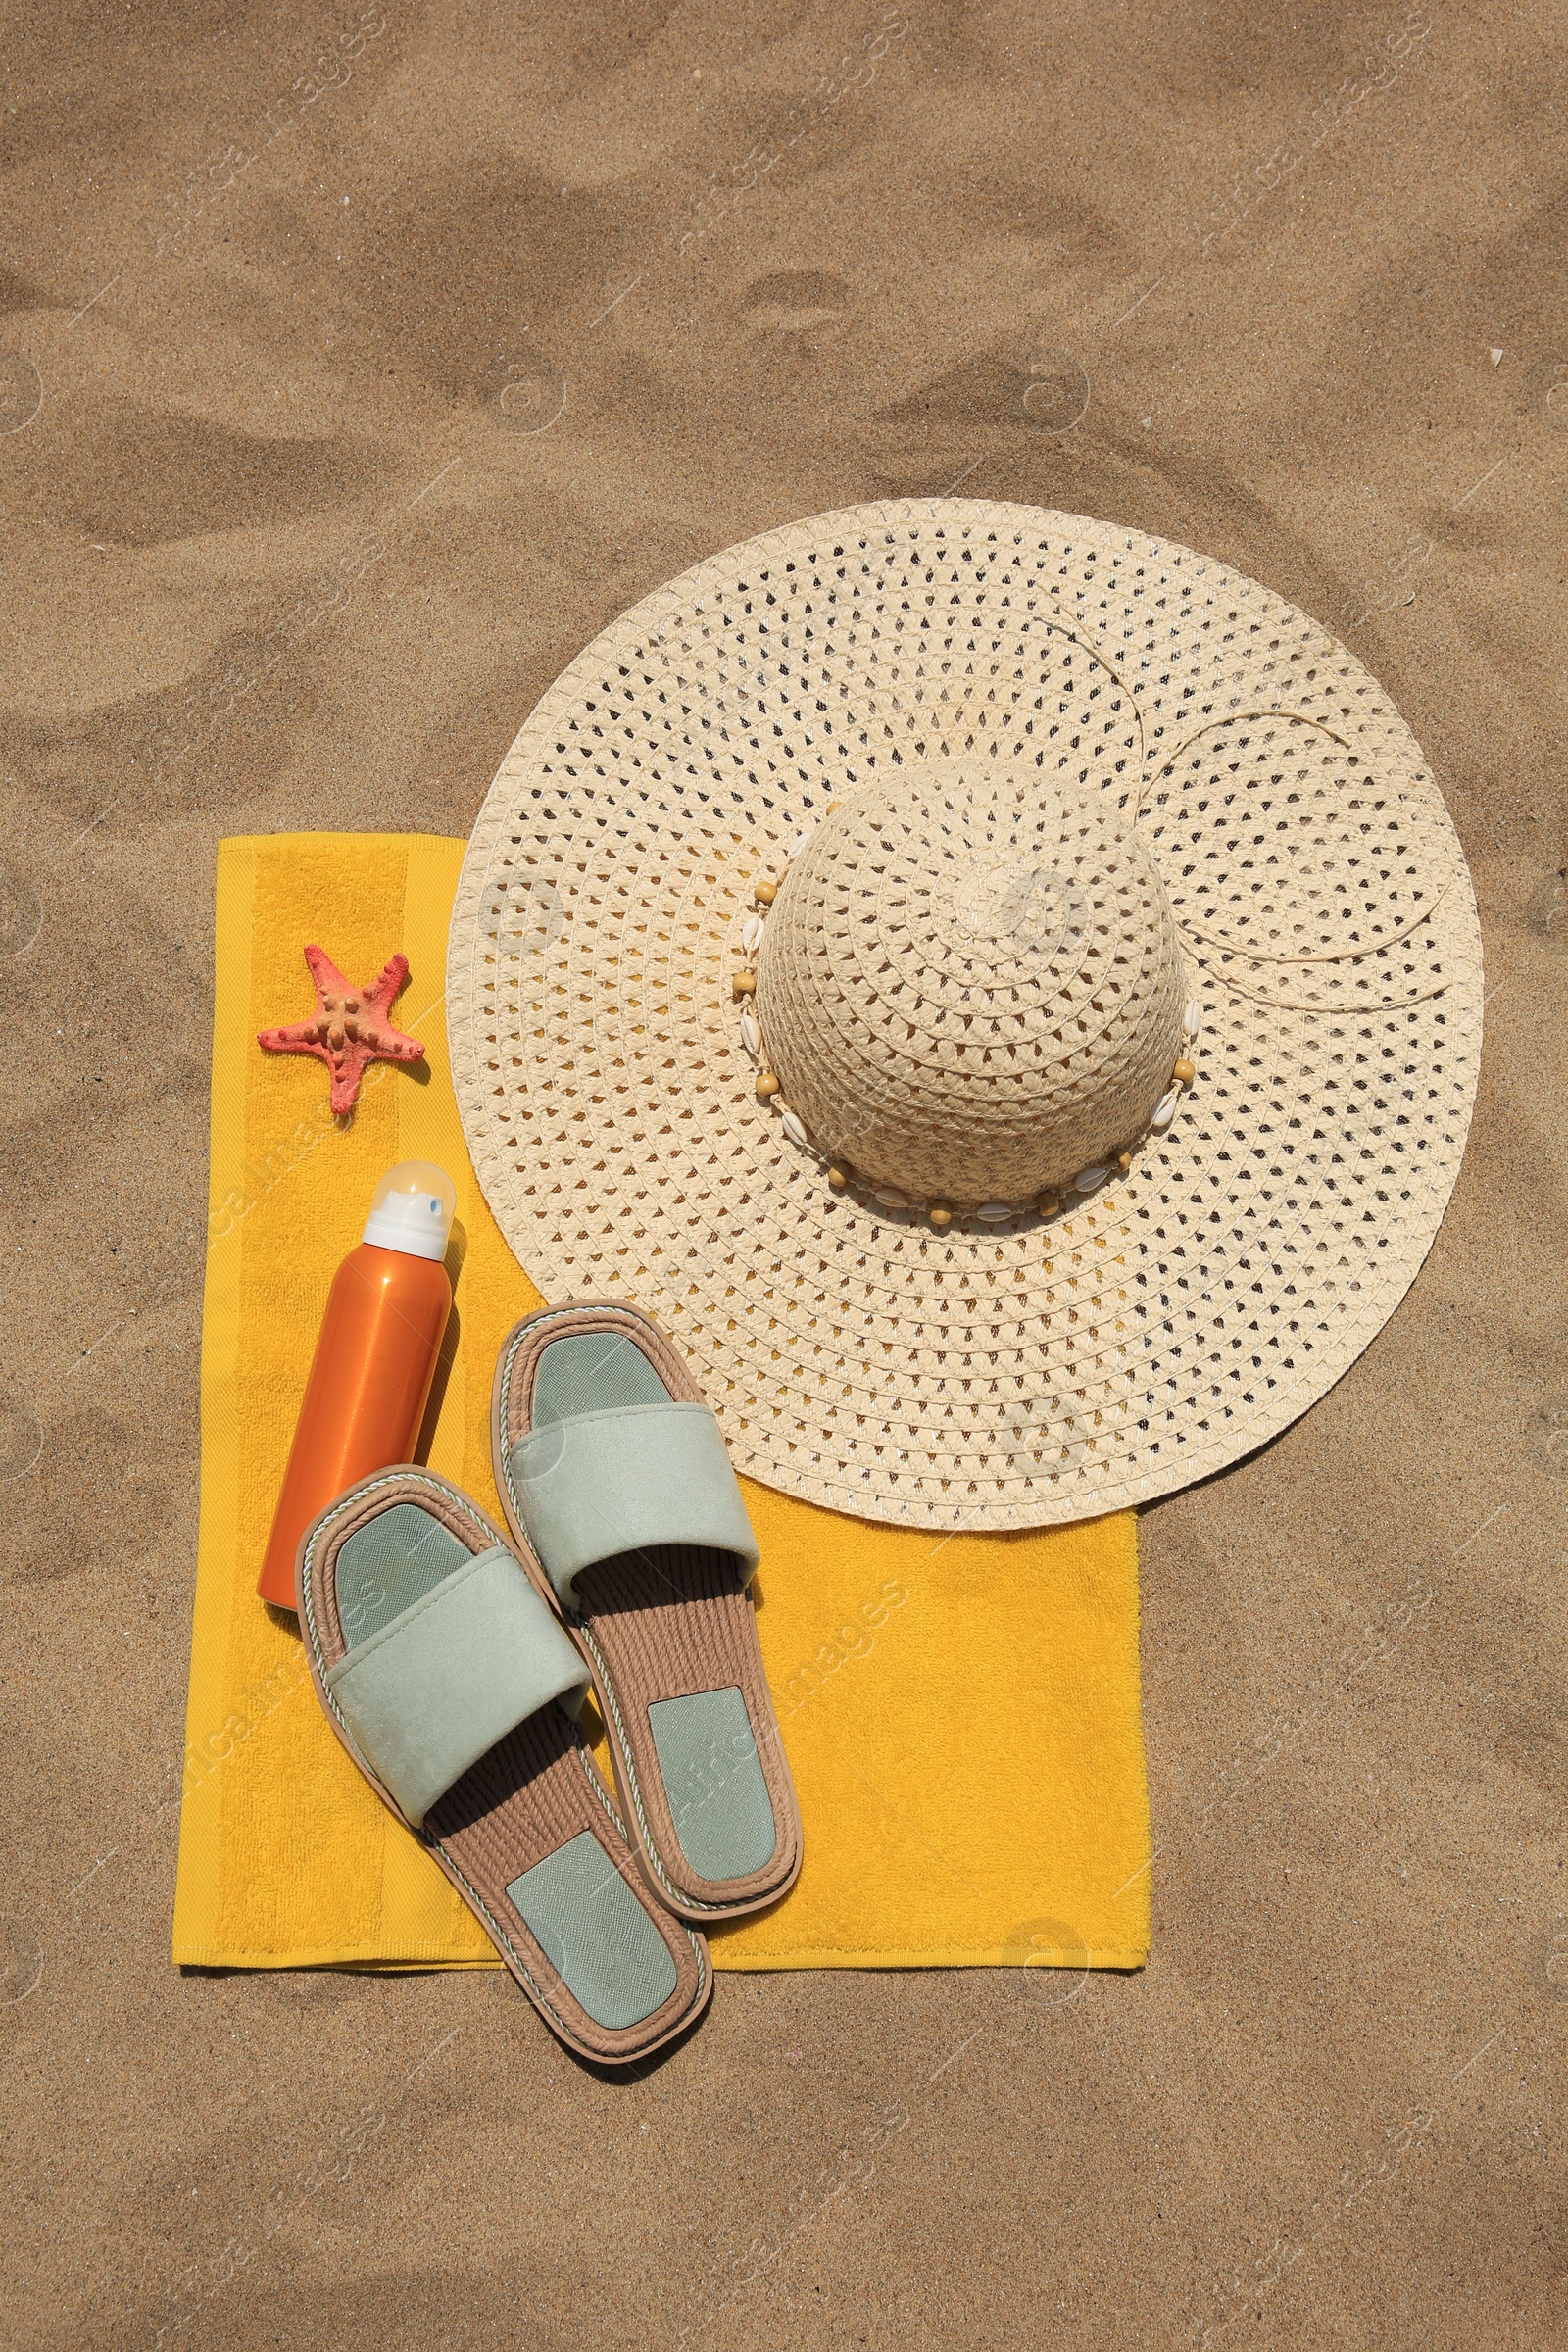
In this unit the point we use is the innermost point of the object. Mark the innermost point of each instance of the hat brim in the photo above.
(991, 1375)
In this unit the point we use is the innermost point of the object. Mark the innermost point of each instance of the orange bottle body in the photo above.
(365, 1397)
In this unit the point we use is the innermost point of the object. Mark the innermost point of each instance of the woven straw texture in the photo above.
(972, 987)
(1068, 734)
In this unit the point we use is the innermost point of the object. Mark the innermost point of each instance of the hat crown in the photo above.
(972, 982)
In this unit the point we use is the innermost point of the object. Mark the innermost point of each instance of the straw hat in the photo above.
(1004, 992)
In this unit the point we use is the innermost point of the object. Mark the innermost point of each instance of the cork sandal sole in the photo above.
(670, 1623)
(534, 1798)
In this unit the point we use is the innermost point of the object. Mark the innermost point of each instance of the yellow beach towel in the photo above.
(960, 1713)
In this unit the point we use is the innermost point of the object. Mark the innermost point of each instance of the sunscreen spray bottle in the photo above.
(374, 1360)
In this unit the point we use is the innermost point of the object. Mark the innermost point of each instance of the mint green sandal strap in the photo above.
(433, 1691)
(599, 1483)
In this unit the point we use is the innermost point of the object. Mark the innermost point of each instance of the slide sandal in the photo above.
(437, 1663)
(612, 1471)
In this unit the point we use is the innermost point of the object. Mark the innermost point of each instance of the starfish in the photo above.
(348, 1026)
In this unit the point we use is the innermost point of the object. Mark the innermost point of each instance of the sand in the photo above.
(302, 507)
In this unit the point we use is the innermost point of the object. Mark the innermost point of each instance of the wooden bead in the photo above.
(765, 892)
(767, 1085)
(1047, 1203)
(745, 984)
(1124, 1160)
(838, 1178)
(1184, 1073)
(939, 1214)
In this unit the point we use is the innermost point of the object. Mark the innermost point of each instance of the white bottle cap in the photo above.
(412, 1211)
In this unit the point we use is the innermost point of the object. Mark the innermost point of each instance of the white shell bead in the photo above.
(994, 1212)
(1192, 1020)
(1165, 1110)
(750, 1035)
(1087, 1178)
(890, 1197)
(752, 932)
(793, 1128)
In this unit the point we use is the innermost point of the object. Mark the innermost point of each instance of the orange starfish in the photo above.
(349, 1027)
